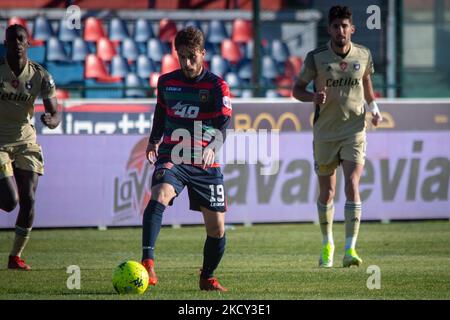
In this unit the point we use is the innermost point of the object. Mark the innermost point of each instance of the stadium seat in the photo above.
(233, 81)
(279, 51)
(245, 69)
(42, 29)
(79, 49)
(293, 66)
(242, 30)
(249, 47)
(247, 93)
(156, 49)
(143, 31)
(65, 73)
(20, 21)
(66, 34)
(105, 49)
(103, 89)
(23, 22)
(130, 49)
(117, 30)
(62, 94)
(167, 30)
(144, 67)
(272, 94)
(230, 51)
(285, 85)
(169, 63)
(94, 67)
(119, 67)
(133, 84)
(55, 50)
(193, 23)
(93, 29)
(269, 68)
(211, 50)
(216, 32)
(37, 54)
(219, 66)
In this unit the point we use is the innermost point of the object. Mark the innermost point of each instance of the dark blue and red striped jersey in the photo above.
(200, 107)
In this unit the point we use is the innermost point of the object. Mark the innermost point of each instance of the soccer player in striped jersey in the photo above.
(21, 161)
(341, 73)
(192, 113)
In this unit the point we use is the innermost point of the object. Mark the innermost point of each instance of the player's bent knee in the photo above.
(9, 205)
(163, 194)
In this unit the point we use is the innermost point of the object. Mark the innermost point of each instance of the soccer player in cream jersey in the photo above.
(341, 73)
(21, 161)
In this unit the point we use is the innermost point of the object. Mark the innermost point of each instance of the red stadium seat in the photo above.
(93, 29)
(242, 31)
(23, 22)
(293, 66)
(62, 94)
(230, 51)
(286, 84)
(167, 30)
(94, 67)
(105, 49)
(169, 63)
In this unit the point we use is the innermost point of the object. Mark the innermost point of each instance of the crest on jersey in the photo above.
(28, 85)
(15, 83)
(356, 66)
(204, 95)
(343, 65)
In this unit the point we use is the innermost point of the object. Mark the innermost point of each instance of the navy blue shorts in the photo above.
(205, 186)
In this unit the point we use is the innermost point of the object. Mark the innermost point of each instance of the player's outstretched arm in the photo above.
(51, 116)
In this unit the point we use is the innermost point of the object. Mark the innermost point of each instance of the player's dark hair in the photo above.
(15, 28)
(190, 37)
(338, 12)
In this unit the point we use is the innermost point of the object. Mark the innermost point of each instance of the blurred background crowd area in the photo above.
(118, 48)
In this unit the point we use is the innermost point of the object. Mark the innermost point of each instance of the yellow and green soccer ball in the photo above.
(130, 277)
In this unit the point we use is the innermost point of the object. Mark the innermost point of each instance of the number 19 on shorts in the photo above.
(217, 193)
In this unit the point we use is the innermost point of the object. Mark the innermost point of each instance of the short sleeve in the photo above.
(308, 71)
(48, 88)
(369, 68)
(223, 101)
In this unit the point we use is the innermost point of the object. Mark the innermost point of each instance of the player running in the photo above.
(21, 81)
(197, 102)
(341, 73)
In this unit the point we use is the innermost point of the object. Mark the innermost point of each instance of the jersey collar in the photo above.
(348, 54)
(21, 73)
(196, 79)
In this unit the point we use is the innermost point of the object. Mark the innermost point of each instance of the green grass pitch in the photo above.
(260, 262)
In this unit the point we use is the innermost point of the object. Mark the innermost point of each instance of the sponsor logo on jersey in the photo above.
(11, 96)
(173, 89)
(15, 83)
(343, 65)
(342, 82)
